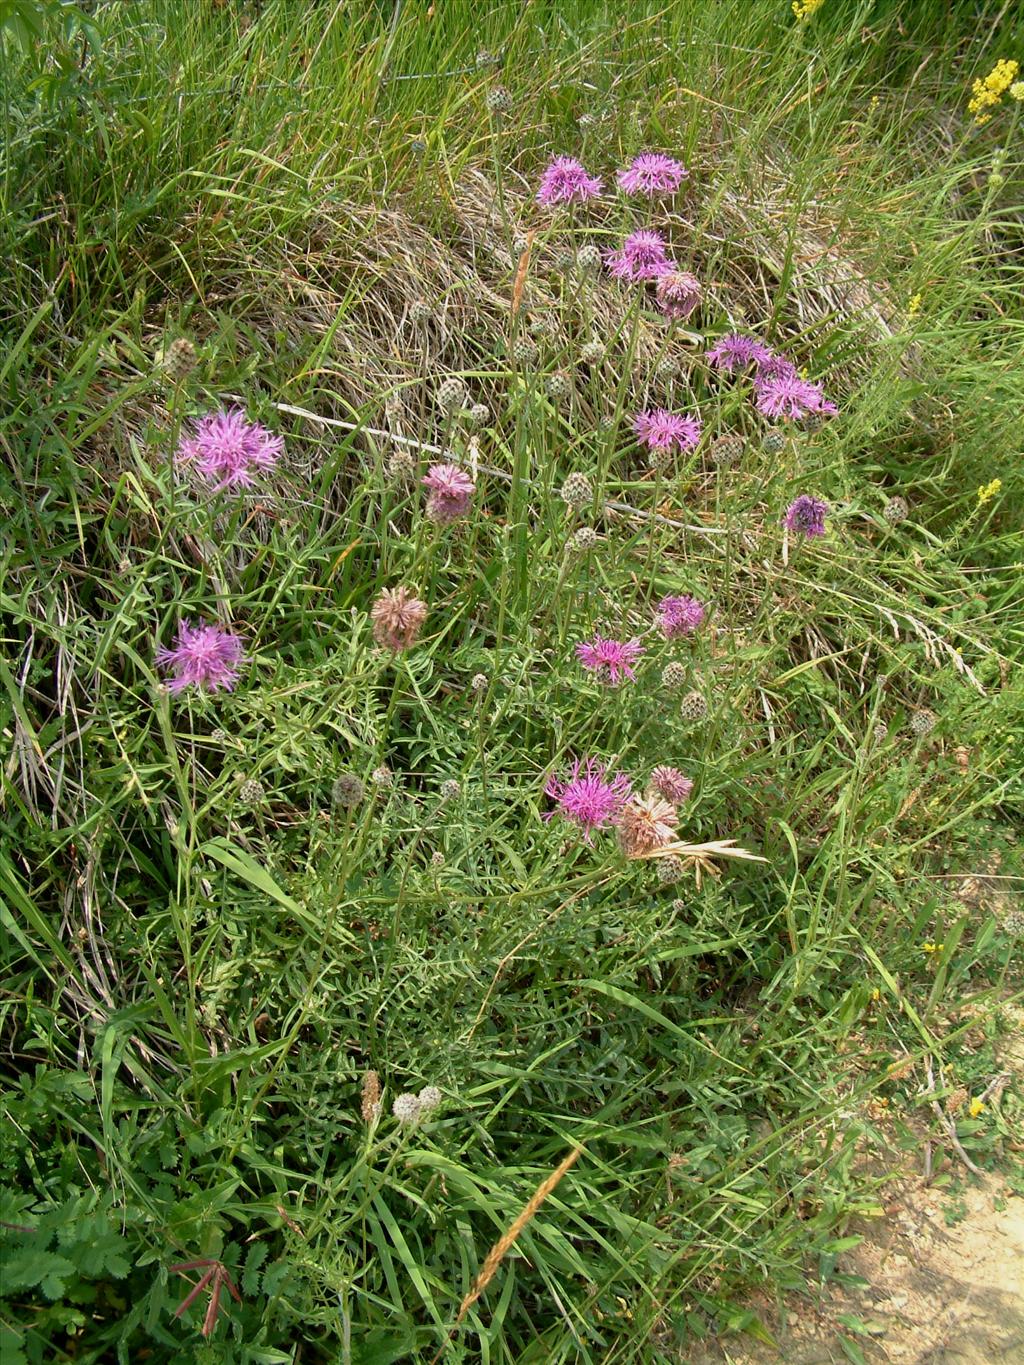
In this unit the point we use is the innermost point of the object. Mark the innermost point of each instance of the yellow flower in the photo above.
(987, 93)
(977, 1107)
(914, 306)
(1017, 90)
(876, 994)
(803, 9)
(932, 947)
(988, 491)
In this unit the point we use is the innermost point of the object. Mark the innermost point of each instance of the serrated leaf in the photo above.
(29, 1267)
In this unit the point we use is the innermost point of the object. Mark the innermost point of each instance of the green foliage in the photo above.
(206, 952)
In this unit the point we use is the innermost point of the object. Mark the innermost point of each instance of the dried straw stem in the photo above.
(508, 1239)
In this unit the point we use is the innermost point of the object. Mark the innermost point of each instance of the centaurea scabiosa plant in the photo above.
(670, 784)
(652, 174)
(735, 352)
(642, 256)
(228, 451)
(566, 181)
(664, 431)
(590, 796)
(677, 293)
(792, 398)
(207, 657)
(611, 660)
(806, 515)
(397, 617)
(679, 616)
(646, 823)
(451, 490)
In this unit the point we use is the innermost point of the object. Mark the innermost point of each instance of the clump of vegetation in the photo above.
(511, 630)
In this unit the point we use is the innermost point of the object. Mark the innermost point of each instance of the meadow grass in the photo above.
(237, 926)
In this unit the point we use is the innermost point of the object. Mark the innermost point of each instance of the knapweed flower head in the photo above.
(670, 784)
(589, 257)
(499, 101)
(677, 293)
(228, 450)
(661, 430)
(397, 617)
(646, 823)
(790, 397)
(451, 789)
(652, 173)
(252, 792)
(673, 676)
(592, 352)
(566, 181)
(806, 514)
(896, 510)
(773, 365)
(735, 352)
(679, 616)
(451, 490)
(922, 723)
(178, 360)
(642, 256)
(204, 656)
(577, 491)
(612, 660)
(986, 93)
(589, 795)
(451, 394)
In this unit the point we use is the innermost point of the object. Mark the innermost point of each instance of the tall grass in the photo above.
(206, 950)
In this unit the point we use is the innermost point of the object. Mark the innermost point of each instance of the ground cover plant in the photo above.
(511, 628)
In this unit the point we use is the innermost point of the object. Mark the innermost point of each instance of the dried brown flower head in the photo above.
(646, 823)
(397, 617)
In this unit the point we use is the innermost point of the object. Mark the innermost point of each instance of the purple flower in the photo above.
(806, 514)
(641, 257)
(773, 366)
(663, 430)
(207, 657)
(677, 292)
(612, 657)
(736, 352)
(565, 180)
(589, 796)
(652, 173)
(227, 448)
(451, 489)
(671, 784)
(789, 396)
(679, 616)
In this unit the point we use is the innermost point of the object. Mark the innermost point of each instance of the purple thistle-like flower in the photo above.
(678, 293)
(451, 490)
(735, 352)
(773, 366)
(204, 656)
(679, 616)
(227, 449)
(642, 256)
(652, 173)
(788, 396)
(806, 514)
(566, 179)
(671, 784)
(589, 796)
(663, 430)
(615, 658)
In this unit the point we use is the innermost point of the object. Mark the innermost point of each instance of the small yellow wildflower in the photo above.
(876, 994)
(977, 1107)
(1016, 91)
(803, 9)
(932, 947)
(989, 490)
(875, 101)
(914, 306)
(986, 94)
